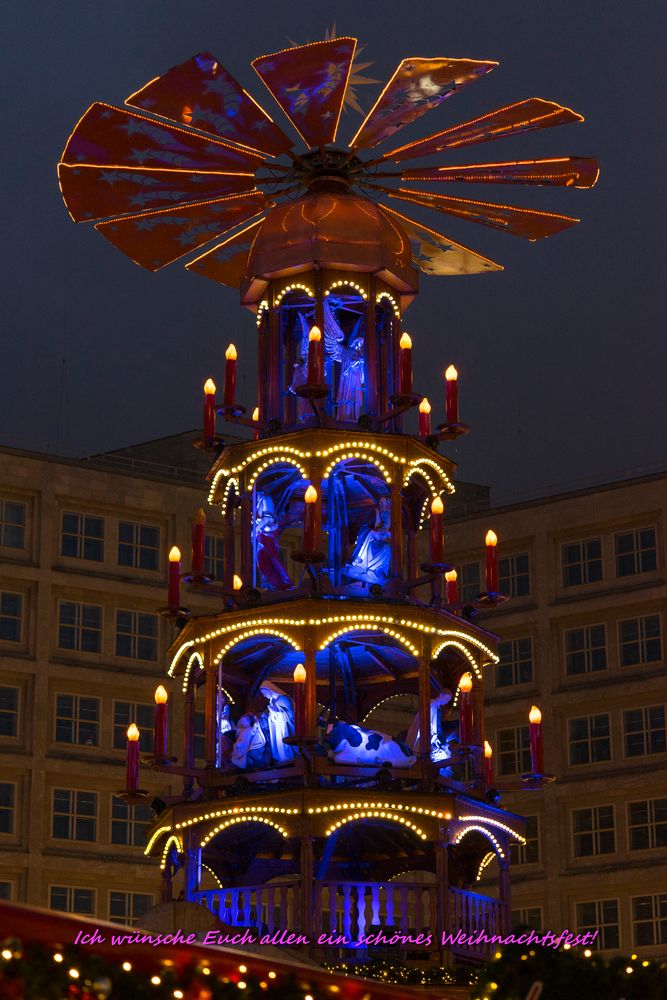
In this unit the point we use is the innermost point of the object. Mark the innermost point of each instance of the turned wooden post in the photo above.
(210, 707)
(306, 897)
(228, 551)
(425, 710)
(396, 514)
(273, 401)
(443, 907)
(246, 537)
(371, 351)
(505, 893)
(165, 885)
(189, 737)
(311, 688)
(478, 720)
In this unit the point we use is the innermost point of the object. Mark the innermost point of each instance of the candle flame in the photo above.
(200, 516)
(133, 733)
(255, 414)
(488, 750)
(230, 353)
(425, 406)
(237, 582)
(451, 374)
(437, 507)
(405, 343)
(451, 576)
(299, 673)
(315, 333)
(310, 496)
(465, 684)
(535, 716)
(160, 695)
(491, 538)
(209, 387)
(174, 554)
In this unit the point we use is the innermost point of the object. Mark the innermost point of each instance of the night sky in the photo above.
(562, 356)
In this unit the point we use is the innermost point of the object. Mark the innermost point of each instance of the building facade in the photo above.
(583, 638)
(83, 550)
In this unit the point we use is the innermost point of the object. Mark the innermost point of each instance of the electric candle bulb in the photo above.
(424, 418)
(237, 582)
(174, 578)
(230, 353)
(451, 395)
(209, 409)
(255, 414)
(451, 587)
(437, 507)
(465, 710)
(133, 732)
(160, 695)
(299, 700)
(315, 374)
(310, 496)
(488, 752)
(491, 562)
(255, 417)
(536, 744)
(405, 365)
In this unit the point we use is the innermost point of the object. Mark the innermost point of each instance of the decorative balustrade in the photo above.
(347, 911)
(266, 908)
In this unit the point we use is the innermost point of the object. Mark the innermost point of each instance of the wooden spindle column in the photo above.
(443, 905)
(371, 351)
(311, 688)
(246, 537)
(307, 868)
(505, 893)
(188, 737)
(396, 522)
(210, 706)
(425, 711)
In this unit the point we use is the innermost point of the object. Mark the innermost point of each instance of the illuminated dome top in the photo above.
(332, 228)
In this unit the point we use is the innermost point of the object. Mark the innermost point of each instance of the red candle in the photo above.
(209, 409)
(491, 563)
(160, 723)
(437, 534)
(315, 357)
(255, 417)
(424, 426)
(311, 521)
(405, 365)
(230, 376)
(536, 744)
(452, 395)
(465, 710)
(488, 763)
(132, 759)
(174, 586)
(451, 587)
(300, 700)
(198, 536)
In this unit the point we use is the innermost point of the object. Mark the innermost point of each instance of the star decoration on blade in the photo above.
(192, 159)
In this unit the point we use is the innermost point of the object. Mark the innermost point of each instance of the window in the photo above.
(128, 823)
(516, 662)
(138, 545)
(530, 916)
(77, 720)
(7, 803)
(136, 635)
(82, 537)
(644, 730)
(80, 627)
(214, 556)
(600, 915)
(514, 575)
(126, 712)
(12, 524)
(469, 581)
(528, 853)
(593, 831)
(513, 750)
(636, 552)
(9, 711)
(586, 649)
(649, 919)
(639, 640)
(128, 907)
(582, 562)
(74, 815)
(6, 890)
(11, 617)
(647, 824)
(68, 900)
(200, 732)
(589, 739)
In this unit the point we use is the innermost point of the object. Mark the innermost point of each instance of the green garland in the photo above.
(570, 974)
(37, 972)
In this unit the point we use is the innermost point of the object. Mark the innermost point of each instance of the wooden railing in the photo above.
(266, 908)
(347, 911)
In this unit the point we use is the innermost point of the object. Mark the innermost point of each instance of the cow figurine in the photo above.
(349, 743)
